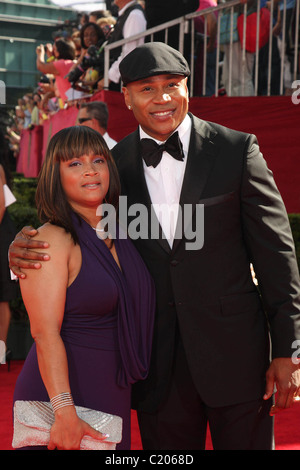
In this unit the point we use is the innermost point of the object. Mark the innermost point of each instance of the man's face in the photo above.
(84, 119)
(159, 103)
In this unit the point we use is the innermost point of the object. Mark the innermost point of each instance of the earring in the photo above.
(129, 107)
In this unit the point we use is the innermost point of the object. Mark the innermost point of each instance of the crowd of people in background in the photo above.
(72, 65)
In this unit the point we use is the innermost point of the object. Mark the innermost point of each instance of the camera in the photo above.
(93, 58)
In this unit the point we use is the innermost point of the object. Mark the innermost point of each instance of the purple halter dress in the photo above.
(107, 330)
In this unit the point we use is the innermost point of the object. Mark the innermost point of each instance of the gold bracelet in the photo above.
(61, 400)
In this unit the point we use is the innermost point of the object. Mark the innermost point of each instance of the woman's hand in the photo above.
(40, 50)
(68, 430)
(49, 50)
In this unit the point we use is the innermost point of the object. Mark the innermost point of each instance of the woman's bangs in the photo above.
(84, 143)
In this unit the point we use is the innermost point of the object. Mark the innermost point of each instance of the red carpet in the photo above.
(287, 429)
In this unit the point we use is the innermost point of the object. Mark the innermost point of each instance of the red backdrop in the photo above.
(274, 120)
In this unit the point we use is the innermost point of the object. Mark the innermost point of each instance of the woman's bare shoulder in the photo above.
(56, 236)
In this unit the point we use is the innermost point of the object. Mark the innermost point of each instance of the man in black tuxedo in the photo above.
(210, 357)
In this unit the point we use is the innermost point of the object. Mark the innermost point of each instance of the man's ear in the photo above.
(187, 88)
(126, 97)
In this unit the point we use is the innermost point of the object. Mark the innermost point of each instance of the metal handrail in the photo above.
(186, 23)
(162, 27)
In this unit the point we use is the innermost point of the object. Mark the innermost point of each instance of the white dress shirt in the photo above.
(165, 182)
(135, 24)
(109, 140)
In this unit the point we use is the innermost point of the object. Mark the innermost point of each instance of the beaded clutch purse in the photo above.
(33, 421)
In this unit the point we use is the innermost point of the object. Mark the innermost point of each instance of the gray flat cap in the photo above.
(153, 58)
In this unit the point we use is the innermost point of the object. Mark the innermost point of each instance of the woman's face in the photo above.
(90, 36)
(85, 181)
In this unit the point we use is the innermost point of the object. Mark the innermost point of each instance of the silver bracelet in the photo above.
(61, 400)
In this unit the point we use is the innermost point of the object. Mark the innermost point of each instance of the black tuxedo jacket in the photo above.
(225, 322)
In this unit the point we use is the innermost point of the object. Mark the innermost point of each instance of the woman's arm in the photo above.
(41, 65)
(44, 294)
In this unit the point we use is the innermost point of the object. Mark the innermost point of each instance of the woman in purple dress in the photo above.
(91, 307)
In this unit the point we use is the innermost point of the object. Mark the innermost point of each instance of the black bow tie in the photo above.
(152, 152)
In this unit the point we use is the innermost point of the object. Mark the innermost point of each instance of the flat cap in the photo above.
(153, 58)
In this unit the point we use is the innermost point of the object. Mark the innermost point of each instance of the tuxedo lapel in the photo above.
(201, 158)
(133, 173)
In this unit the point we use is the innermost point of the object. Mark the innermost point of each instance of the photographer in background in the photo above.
(89, 67)
(131, 21)
(64, 55)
